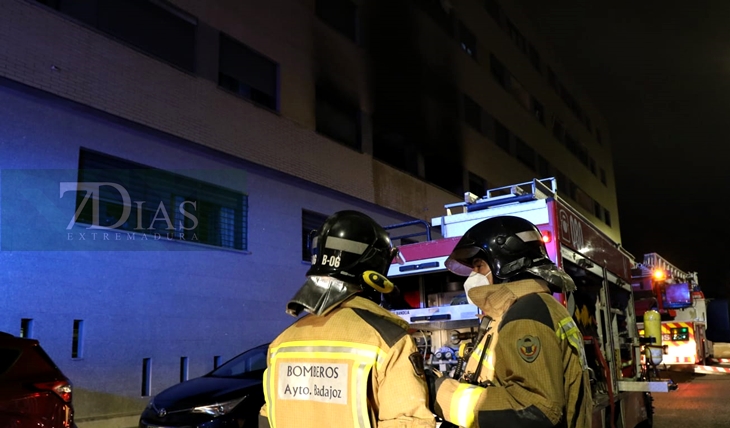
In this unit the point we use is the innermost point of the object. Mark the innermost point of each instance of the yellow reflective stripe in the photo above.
(363, 358)
(487, 361)
(268, 382)
(568, 329)
(463, 404)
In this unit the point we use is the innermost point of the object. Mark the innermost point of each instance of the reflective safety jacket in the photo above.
(354, 367)
(535, 361)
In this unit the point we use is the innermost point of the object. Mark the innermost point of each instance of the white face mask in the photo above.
(475, 280)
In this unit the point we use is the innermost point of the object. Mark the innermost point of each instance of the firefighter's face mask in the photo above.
(478, 278)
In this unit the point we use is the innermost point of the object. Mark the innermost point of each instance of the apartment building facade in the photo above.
(265, 117)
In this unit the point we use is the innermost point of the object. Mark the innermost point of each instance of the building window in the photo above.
(603, 177)
(525, 153)
(516, 36)
(311, 222)
(543, 167)
(340, 15)
(246, 73)
(155, 27)
(440, 12)
(146, 377)
(158, 202)
(534, 56)
(467, 40)
(499, 73)
(472, 113)
(538, 110)
(501, 136)
(559, 131)
(592, 165)
(184, 369)
(337, 118)
(216, 361)
(494, 10)
(597, 210)
(26, 328)
(598, 137)
(606, 217)
(477, 185)
(78, 339)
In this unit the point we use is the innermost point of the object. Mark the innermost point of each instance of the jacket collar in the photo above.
(357, 302)
(495, 299)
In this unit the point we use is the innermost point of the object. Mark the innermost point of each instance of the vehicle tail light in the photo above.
(62, 388)
(547, 237)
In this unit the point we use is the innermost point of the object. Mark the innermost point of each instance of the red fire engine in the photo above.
(442, 320)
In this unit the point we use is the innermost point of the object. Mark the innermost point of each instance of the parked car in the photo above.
(229, 396)
(33, 390)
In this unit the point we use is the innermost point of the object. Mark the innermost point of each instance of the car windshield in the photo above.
(253, 360)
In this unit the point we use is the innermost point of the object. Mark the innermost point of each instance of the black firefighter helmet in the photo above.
(347, 245)
(512, 247)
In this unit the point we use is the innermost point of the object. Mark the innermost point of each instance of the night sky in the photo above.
(660, 74)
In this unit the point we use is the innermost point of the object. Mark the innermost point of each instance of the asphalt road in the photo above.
(701, 401)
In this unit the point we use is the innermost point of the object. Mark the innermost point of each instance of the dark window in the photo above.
(592, 165)
(247, 73)
(572, 144)
(26, 328)
(171, 205)
(597, 209)
(477, 185)
(472, 113)
(184, 369)
(445, 172)
(552, 79)
(603, 176)
(516, 36)
(563, 183)
(501, 136)
(499, 73)
(340, 15)
(538, 110)
(606, 216)
(78, 337)
(534, 56)
(525, 153)
(440, 12)
(156, 28)
(311, 222)
(598, 136)
(146, 377)
(494, 10)
(337, 118)
(543, 167)
(559, 131)
(467, 41)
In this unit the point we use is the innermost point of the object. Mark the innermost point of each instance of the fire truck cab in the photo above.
(433, 301)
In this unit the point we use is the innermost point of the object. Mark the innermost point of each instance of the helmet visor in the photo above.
(460, 260)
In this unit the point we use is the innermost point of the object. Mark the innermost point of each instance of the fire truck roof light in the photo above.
(659, 274)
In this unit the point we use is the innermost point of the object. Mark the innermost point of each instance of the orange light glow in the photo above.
(659, 275)
(546, 236)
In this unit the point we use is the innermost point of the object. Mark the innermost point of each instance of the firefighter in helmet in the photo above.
(349, 362)
(529, 367)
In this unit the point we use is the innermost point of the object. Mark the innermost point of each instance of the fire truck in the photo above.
(433, 302)
(676, 295)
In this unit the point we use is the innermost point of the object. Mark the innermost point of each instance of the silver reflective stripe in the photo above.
(344, 349)
(348, 245)
(569, 330)
(529, 235)
(363, 419)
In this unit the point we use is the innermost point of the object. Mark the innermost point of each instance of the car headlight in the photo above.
(218, 409)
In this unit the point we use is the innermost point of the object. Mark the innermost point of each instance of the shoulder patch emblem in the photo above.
(529, 348)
